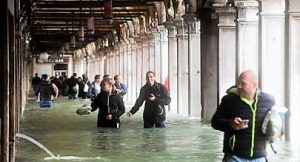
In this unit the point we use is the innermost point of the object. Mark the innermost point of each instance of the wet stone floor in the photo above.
(73, 137)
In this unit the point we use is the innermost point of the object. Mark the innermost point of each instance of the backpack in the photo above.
(274, 122)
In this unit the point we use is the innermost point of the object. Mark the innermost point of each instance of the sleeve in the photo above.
(124, 91)
(121, 107)
(37, 91)
(220, 120)
(56, 91)
(95, 104)
(90, 91)
(139, 101)
(164, 98)
(53, 90)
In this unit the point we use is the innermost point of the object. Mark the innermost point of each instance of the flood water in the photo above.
(75, 137)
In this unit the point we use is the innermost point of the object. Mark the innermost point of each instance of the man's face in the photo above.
(118, 80)
(98, 80)
(246, 86)
(105, 87)
(150, 79)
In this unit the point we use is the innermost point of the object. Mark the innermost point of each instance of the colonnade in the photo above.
(200, 55)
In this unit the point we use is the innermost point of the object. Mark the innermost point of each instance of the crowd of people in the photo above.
(239, 115)
(107, 94)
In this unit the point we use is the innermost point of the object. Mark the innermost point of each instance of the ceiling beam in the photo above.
(86, 4)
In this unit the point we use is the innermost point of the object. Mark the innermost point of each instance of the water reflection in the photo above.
(153, 140)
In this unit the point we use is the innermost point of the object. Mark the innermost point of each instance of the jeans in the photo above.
(45, 103)
(234, 158)
(160, 124)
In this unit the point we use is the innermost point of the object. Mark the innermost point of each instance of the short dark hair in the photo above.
(150, 72)
(97, 77)
(105, 76)
(116, 77)
(44, 76)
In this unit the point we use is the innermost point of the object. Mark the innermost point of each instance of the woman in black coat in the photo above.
(110, 105)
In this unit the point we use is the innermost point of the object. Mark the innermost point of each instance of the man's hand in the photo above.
(109, 117)
(152, 97)
(237, 124)
(129, 114)
(118, 91)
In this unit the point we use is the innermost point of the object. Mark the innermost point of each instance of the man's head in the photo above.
(150, 77)
(106, 76)
(44, 77)
(247, 83)
(117, 79)
(107, 85)
(97, 78)
(36, 74)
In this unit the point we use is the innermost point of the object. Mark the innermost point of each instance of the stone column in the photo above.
(293, 62)
(117, 58)
(156, 53)
(145, 56)
(125, 64)
(247, 35)
(122, 58)
(227, 47)
(134, 64)
(182, 56)
(110, 63)
(106, 59)
(139, 63)
(151, 51)
(130, 81)
(102, 62)
(209, 65)
(163, 54)
(97, 66)
(172, 46)
(194, 67)
(272, 48)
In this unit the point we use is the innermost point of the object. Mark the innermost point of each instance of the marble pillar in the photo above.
(194, 67)
(273, 48)
(293, 62)
(247, 35)
(145, 56)
(227, 50)
(172, 49)
(151, 51)
(139, 63)
(183, 67)
(157, 51)
(163, 54)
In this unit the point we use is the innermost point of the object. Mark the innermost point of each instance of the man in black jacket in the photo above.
(110, 105)
(156, 96)
(45, 91)
(240, 116)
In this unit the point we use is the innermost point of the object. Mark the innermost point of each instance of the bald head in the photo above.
(247, 84)
(249, 75)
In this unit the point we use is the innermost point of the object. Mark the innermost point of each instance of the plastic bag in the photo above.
(273, 125)
(84, 110)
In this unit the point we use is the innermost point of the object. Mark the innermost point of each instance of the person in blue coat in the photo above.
(121, 88)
